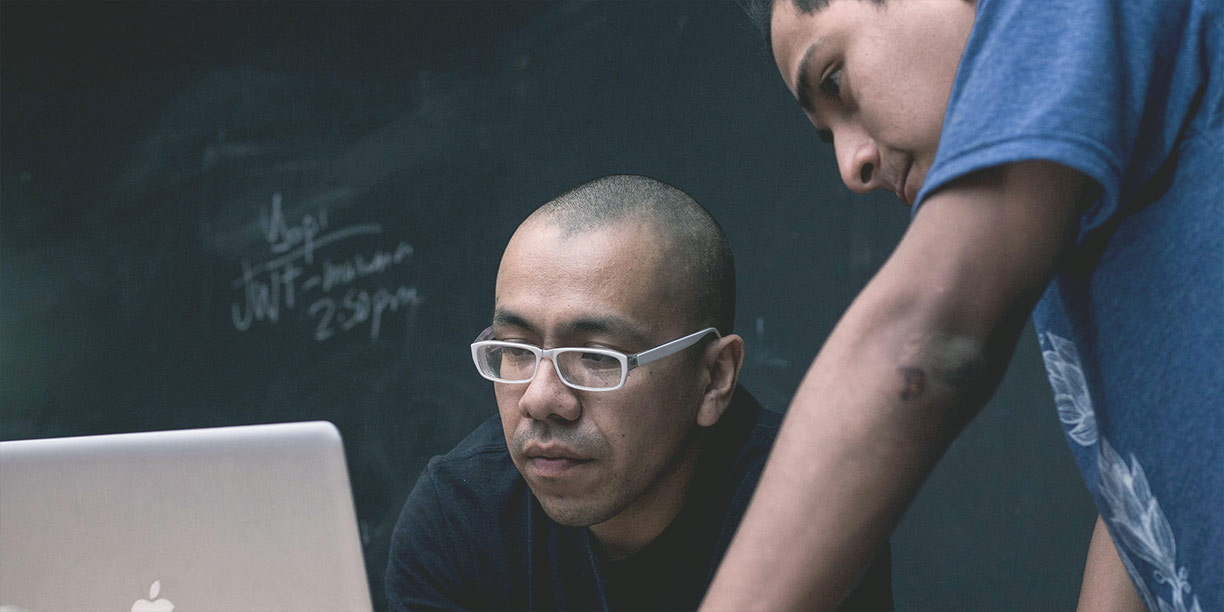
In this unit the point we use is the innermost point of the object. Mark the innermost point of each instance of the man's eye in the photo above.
(831, 85)
(599, 360)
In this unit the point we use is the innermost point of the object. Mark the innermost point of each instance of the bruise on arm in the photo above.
(955, 362)
(915, 383)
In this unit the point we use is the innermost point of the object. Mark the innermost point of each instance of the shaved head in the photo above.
(696, 255)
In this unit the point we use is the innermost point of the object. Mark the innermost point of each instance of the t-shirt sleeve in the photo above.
(1051, 80)
(424, 571)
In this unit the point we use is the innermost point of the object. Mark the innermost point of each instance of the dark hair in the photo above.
(693, 243)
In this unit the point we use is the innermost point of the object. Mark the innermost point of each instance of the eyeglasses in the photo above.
(585, 369)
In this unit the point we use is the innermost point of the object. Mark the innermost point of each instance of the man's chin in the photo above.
(574, 513)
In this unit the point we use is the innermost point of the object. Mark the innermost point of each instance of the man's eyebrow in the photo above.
(506, 318)
(583, 325)
(605, 325)
(803, 81)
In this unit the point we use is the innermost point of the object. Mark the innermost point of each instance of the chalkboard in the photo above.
(222, 214)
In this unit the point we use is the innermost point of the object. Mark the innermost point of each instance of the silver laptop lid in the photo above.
(235, 518)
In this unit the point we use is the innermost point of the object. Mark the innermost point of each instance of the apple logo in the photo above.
(153, 604)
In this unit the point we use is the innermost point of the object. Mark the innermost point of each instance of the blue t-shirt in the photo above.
(1129, 93)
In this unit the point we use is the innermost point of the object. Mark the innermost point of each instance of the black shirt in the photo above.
(472, 535)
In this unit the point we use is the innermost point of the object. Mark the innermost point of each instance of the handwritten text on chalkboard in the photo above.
(344, 293)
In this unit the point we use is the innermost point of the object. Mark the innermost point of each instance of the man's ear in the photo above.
(723, 359)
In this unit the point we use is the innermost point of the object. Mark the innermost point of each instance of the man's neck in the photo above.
(639, 524)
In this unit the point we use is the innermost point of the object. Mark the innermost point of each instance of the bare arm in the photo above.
(913, 359)
(1107, 587)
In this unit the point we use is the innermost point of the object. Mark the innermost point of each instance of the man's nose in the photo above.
(547, 397)
(858, 160)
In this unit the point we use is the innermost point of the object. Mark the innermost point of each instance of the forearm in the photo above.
(914, 358)
(871, 418)
(1107, 587)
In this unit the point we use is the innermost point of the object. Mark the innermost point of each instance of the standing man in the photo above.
(1065, 160)
(624, 451)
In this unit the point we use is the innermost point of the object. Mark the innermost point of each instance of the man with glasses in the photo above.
(624, 452)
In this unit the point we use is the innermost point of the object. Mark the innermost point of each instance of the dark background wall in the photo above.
(221, 214)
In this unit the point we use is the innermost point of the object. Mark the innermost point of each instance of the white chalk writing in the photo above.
(359, 307)
(292, 274)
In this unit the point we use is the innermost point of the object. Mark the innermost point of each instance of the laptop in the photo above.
(235, 518)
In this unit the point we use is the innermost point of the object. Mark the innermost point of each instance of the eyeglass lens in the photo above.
(576, 367)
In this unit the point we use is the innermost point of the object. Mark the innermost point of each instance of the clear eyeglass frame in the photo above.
(484, 344)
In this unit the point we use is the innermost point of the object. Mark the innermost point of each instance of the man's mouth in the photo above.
(553, 468)
(553, 461)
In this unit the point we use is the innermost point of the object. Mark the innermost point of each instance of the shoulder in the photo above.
(484, 445)
(468, 511)
(738, 446)
(477, 475)
(733, 457)
(748, 429)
